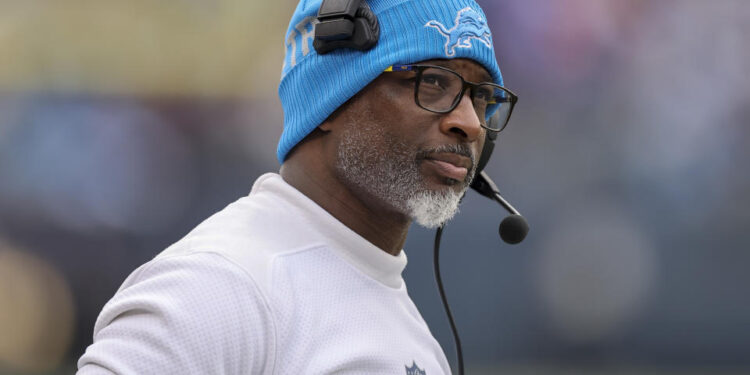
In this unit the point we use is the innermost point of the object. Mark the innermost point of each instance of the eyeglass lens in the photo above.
(439, 90)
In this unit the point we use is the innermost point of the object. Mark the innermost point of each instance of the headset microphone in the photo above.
(513, 229)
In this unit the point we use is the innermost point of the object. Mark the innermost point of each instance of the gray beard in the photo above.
(393, 175)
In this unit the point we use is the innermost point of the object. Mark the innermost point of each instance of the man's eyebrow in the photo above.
(484, 74)
(486, 77)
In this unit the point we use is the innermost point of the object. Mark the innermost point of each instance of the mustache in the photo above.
(457, 148)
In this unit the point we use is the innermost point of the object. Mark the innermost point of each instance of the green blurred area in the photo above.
(223, 48)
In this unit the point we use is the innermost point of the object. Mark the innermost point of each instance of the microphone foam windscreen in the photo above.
(513, 229)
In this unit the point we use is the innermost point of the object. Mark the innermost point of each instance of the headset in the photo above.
(345, 24)
(352, 24)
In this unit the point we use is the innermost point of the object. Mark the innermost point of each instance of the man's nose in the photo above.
(463, 121)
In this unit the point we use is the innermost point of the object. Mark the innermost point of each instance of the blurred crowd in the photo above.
(625, 154)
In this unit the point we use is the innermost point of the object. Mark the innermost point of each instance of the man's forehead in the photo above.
(467, 68)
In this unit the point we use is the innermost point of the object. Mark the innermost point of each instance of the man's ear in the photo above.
(326, 126)
(333, 120)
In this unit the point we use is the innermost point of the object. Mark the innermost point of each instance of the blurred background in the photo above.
(123, 124)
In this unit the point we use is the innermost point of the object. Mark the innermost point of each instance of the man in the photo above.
(303, 276)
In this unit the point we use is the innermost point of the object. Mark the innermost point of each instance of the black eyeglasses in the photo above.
(439, 89)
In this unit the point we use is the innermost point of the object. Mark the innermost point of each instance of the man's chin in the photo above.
(448, 186)
(431, 208)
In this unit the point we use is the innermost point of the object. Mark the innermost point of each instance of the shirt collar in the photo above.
(317, 225)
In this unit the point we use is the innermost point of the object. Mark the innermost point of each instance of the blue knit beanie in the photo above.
(313, 86)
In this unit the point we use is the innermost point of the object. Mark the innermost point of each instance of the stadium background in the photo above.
(123, 124)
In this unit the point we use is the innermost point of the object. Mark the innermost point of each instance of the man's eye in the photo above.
(433, 81)
(483, 94)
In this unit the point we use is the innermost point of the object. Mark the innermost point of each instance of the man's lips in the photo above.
(453, 166)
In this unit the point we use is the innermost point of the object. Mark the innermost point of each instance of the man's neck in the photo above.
(380, 225)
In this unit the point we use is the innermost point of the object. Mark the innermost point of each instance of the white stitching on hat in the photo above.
(469, 25)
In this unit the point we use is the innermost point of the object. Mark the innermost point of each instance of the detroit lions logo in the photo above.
(414, 370)
(469, 25)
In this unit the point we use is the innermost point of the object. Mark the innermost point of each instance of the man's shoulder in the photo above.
(250, 232)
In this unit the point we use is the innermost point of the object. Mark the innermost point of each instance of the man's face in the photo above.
(393, 153)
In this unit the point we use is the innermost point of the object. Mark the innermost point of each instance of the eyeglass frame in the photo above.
(420, 68)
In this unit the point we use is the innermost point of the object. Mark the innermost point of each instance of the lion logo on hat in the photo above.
(469, 25)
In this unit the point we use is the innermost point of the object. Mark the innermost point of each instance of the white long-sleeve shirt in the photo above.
(272, 284)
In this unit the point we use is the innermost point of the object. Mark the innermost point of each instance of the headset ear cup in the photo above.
(364, 35)
(372, 27)
(364, 38)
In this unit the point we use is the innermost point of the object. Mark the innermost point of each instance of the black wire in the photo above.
(439, 281)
